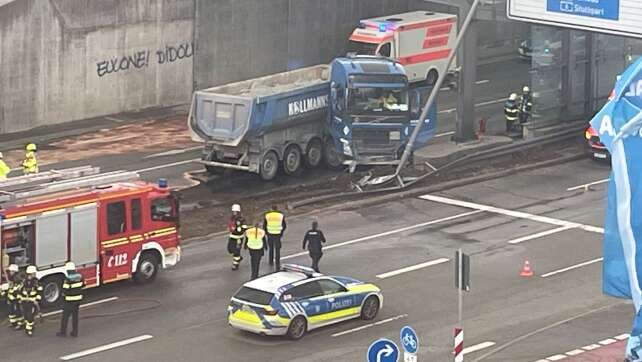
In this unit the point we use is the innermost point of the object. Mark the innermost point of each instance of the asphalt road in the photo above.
(182, 316)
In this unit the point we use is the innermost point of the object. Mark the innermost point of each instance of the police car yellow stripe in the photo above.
(334, 315)
(362, 288)
(246, 317)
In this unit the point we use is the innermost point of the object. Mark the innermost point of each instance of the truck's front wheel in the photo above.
(333, 158)
(269, 166)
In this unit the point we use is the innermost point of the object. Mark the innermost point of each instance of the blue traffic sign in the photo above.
(409, 340)
(602, 9)
(383, 350)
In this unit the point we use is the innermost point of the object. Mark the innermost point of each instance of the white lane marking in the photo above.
(445, 134)
(579, 187)
(391, 232)
(338, 334)
(512, 213)
(574, 352)
(591, 347)
(487, 103)
(174, 152)
(484, 81)
(622, 337)
(606, 342)
(412, 268)
(111, 299)
(557, 357)
(539, 235)
(106, 347)
(167, 165)
(478, 347)
(572, 267)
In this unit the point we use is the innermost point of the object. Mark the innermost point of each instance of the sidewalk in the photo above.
(46, 134)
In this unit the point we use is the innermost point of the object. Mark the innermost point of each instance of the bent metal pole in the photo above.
(435, 90)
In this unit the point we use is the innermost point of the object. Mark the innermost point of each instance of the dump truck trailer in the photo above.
(354, 111)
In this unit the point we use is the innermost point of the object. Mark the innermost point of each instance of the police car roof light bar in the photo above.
(309, 272)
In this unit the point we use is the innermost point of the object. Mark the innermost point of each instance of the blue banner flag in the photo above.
(619, 126)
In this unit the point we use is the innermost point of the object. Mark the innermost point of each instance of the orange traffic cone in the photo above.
(526, 270)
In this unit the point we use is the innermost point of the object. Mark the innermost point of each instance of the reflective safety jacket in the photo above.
(525, 104)
(30, 164)
(4, 170)
(13, 292)
(72, 287)
(255, 239)
(31, 291)
(237, 227)
(274, 223)
(511, 110)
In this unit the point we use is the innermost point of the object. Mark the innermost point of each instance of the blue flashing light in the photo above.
(546, 50)
(162, 183)
(383, 27)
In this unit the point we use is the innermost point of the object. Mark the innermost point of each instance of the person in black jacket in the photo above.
(314, 238)
(72, 291)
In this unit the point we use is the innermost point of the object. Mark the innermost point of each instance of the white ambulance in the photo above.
(421, 41)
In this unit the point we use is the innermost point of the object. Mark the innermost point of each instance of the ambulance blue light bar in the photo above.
(309, 272)
(383, 27)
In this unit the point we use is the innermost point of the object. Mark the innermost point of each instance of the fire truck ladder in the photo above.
(49, 176)
(81, 180)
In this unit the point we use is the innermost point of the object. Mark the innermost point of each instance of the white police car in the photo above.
(297, 299)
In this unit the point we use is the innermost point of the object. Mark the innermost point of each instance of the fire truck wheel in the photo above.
(147, 268)
(51, 290)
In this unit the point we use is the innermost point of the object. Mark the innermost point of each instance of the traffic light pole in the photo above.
(460, 296)
(433, 94)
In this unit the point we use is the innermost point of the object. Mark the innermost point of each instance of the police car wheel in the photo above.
(370, 308)
(298, 327)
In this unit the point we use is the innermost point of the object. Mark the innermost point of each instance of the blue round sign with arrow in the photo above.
(409, 339)
(383, 350)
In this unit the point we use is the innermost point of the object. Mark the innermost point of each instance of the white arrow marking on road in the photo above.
(386, 352)
(106, 347)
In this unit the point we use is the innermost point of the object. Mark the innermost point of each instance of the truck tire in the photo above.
(333, 159)
(292, 160)
(269, 166)
(52, 291)
(147, 269)
(431, 77)
(314, 153)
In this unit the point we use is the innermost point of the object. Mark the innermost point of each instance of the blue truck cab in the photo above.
(371, 116)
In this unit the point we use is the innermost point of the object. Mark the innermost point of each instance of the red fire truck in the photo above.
(112, 226)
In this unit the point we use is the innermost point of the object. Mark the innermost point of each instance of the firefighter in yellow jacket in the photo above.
(30, 297)
(30, 163)
(4, 169)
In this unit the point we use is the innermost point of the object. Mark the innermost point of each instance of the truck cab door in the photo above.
(418, 97)
(115, 253)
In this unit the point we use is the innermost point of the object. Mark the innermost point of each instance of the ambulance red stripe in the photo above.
(425, 57)
(436, 42)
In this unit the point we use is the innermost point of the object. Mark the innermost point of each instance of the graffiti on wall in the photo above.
(141, 59)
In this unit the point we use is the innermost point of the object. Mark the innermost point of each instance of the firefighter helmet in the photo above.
(70, 266)
(31, 269)
(526, 89)
(13, 268)
(236, 208)
(512, 97)
(31, 147)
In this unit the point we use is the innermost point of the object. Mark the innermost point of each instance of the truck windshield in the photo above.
(361, 48)
(377, 101)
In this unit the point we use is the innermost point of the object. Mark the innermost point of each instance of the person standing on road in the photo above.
(236, 227)
(511, 111)
(314, 239)
(256, 242)
(11, 292)
(72, 290)
(525, 105)
(274, 224)
(4, 169)
(30, 163)
(30, 297)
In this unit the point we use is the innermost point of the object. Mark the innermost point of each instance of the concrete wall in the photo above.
(64, 60)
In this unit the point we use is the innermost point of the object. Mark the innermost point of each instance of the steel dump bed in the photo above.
(227, 115)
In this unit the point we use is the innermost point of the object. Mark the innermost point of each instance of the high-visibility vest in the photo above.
(255, 238)
(30, 164)
(31, 291)
(4, 170)
(72, 287)
(274, 222)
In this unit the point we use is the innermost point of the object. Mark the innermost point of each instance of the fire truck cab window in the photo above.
(116, 218)
(162, 209)
(136, 214)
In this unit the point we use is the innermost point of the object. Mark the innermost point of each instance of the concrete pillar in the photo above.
(465, 128)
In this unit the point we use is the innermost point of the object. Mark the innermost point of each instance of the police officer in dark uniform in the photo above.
(72, 291)
(314, 238)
